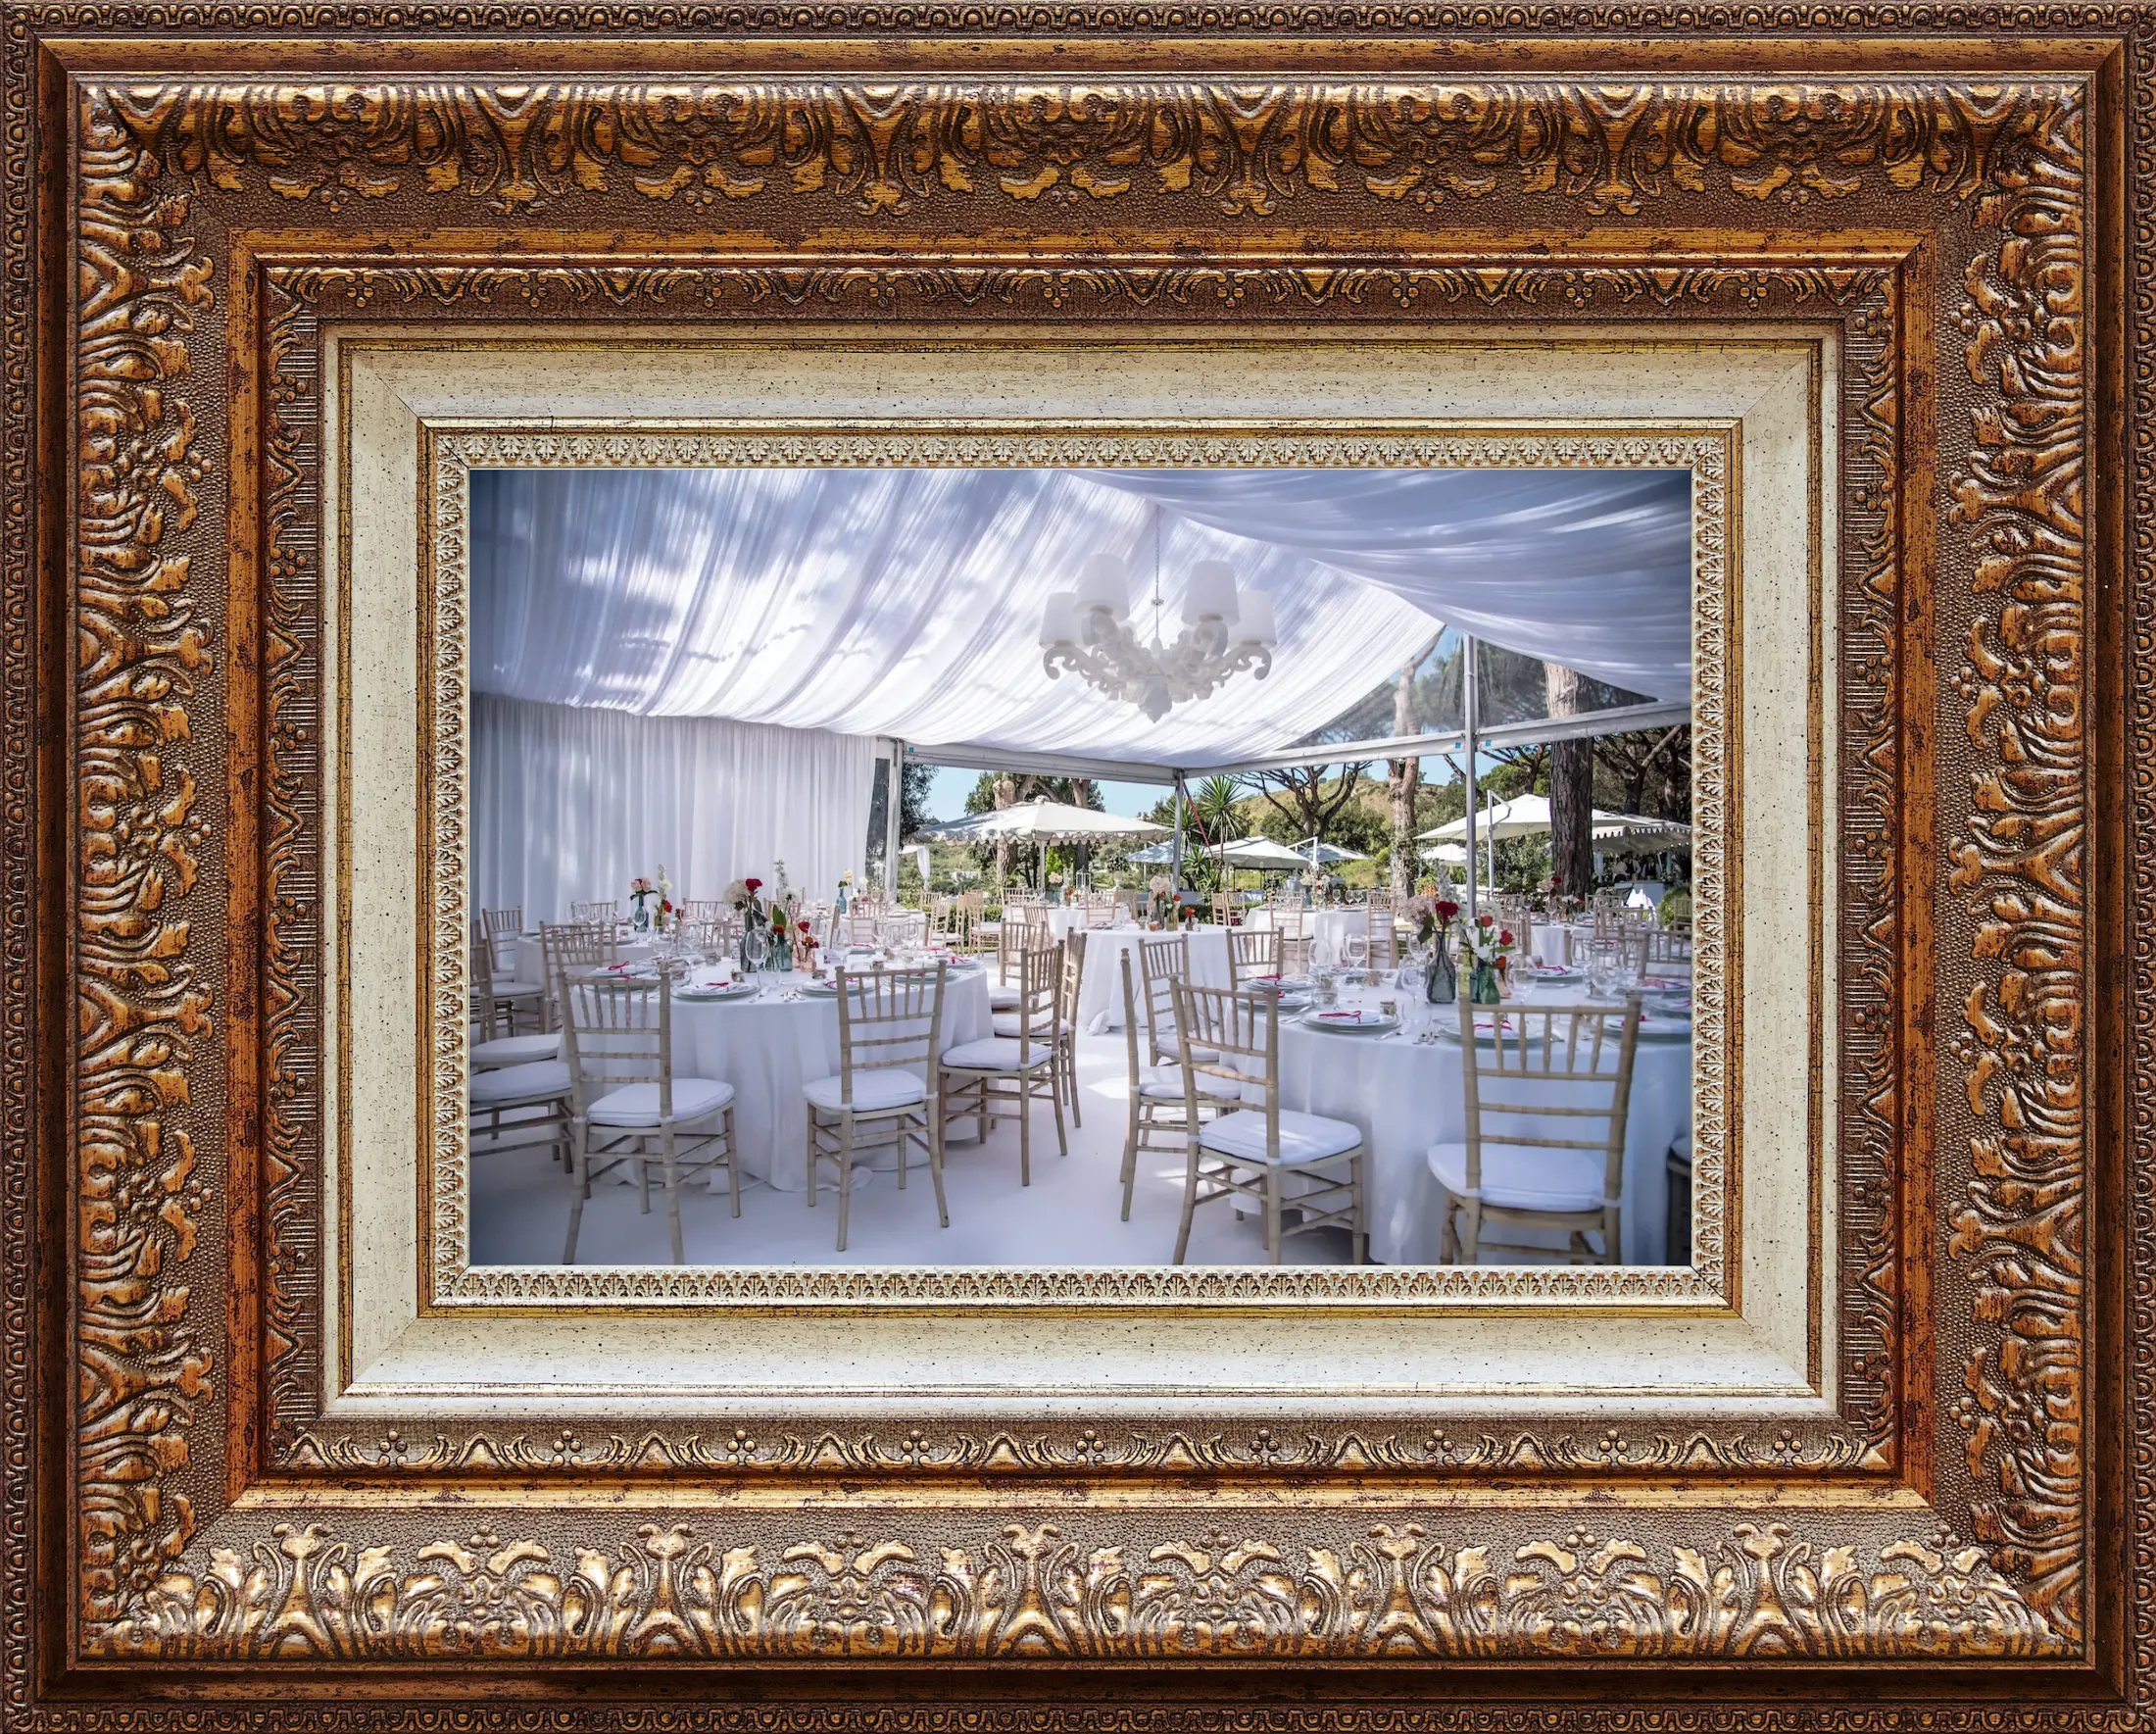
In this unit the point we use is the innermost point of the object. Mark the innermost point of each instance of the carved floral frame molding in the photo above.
(157, 1079)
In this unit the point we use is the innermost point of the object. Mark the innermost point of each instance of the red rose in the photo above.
(806, 929)
(1504, 938)
(1486, 921)
(1446, 911)
(755, 885)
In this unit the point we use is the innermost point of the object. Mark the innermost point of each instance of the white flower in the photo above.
(737, 894)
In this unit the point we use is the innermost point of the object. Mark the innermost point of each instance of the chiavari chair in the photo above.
(1545, 1071)
(1247, 1154)
(1158, 1108)
(619, 1036)
(1003, 1072)
(889, 1034)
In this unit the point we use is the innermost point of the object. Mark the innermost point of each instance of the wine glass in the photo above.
(1354, 952)
(755, 949)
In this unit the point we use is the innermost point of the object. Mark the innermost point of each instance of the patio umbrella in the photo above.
(1152, 855)
(1264, 854)
(1312, 853)
(1524, 816)
(1041, 821)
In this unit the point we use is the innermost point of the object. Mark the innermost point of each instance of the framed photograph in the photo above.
(873, 869)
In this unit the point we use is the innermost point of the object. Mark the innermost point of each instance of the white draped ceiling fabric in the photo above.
(846, 604)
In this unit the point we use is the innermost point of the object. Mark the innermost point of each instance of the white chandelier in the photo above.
(1225, 630)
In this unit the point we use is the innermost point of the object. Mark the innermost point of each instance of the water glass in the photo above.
(1603, 963)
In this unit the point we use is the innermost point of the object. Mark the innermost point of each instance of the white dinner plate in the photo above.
(1352, 1022)
(740, 990)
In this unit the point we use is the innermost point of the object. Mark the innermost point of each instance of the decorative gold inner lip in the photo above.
(454, 445)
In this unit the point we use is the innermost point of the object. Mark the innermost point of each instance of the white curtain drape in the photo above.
(1590, 569)
(883, 602)
(571, 803)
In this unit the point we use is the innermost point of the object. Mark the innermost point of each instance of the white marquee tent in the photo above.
(695, 665)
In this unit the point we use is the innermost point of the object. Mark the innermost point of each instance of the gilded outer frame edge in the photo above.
(20, 833)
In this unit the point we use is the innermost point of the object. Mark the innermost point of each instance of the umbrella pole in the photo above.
(1468, 731)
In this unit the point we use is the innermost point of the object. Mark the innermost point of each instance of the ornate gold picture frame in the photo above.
(209, 1514)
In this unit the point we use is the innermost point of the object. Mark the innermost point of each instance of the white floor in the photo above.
(1070, 1215)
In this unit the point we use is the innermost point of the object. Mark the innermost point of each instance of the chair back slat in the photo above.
(1070, 979)
(1163, 960)
(1253, 951)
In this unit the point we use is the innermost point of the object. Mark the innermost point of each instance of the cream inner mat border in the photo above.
(1750, 417)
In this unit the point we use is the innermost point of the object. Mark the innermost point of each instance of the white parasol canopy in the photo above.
(1312, 853)
(1041, 821)
(1524, 816)
(1264, 854)
(1527, 815)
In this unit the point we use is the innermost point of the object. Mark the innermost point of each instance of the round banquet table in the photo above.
(768, 1047)
(1407, 1096)
(1327, 929)
(1100, 989)
(529, 963)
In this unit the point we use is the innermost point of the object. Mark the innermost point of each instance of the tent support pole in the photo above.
(1182, 796)
(894, 792)
(1468, 731)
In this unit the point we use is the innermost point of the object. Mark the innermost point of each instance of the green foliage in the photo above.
(913, 791)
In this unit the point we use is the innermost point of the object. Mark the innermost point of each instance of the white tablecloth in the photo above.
(767, 1049)
(1407, 1096)
(531, 967)
(1101, 991)
(1326, 928)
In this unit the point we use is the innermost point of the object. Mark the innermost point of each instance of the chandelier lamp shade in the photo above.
(1089, 630)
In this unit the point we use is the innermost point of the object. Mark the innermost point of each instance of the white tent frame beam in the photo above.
(979, 757)
(1623, 719)
(1538, 732)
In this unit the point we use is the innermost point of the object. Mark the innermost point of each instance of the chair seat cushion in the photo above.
(996, 1053)
(885, 1087)
(1169, 1041)
(1522, 1178)
(637, 1104)
(1003, 999)
(520, 1084)
(515, 990)
(1304, 1137)
(515, 1050)
(1164, 1083)
(1008, 1023)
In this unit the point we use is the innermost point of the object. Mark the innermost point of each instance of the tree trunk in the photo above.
(1405, 778)
(1571, 792)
